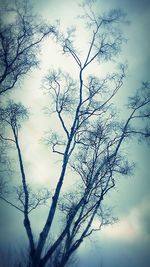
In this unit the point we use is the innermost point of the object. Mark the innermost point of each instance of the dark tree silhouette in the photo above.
(20, 36)
(89, 143)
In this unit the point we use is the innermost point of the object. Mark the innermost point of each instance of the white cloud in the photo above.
(135, 225)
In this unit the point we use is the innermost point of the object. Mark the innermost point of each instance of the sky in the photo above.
(126, 243)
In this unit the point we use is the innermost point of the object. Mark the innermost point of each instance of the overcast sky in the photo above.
(127, 242)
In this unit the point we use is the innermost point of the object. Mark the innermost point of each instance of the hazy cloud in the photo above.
(134, 6)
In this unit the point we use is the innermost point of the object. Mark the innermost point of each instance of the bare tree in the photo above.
(12, 116)
(21, 33)
(89, 143)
